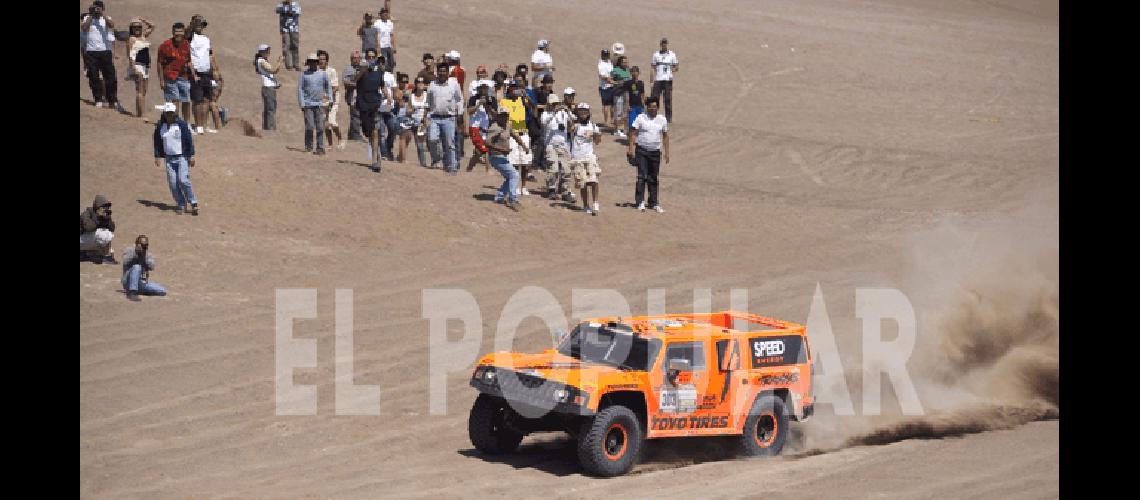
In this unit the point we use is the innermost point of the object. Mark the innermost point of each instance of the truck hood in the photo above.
(561, 368)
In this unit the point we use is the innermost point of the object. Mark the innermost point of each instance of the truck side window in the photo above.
(692, 351)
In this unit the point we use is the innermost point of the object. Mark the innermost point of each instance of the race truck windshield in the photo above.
(600, 344)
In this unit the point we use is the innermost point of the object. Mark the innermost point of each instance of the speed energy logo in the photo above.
(767, 348)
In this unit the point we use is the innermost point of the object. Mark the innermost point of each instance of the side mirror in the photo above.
(680, 365)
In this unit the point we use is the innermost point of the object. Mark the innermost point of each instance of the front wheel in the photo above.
(766, 428)
(488, 428)
(609, 443)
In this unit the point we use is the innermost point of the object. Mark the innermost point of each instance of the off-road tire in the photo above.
(609, 443)
(486, 426)
(766, 428)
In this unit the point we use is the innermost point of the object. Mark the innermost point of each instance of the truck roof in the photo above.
(718, 325)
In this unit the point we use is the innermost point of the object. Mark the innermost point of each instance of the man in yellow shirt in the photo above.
(514, 103)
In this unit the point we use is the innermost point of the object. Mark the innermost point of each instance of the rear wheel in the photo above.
(609, 443)
(488, 426)
(766, 428)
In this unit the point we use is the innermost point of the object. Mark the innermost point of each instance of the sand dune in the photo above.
(789, 169)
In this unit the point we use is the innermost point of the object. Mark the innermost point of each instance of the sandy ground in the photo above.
(823, 165)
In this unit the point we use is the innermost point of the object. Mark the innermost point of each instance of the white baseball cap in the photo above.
(583, 105)
(544, 43)
(568, 91)
(618, 48)
(263, 47)
(553, 99)
(169, 108)
(453, 54)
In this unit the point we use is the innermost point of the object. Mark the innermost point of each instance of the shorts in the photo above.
(633, 112)
(202, 88)
(330, 115)
(517, 156)
(585, 171)
(607, 96)
(177, 90)
(404, 124)
(369, 118)
(559, 157)
(138, 70)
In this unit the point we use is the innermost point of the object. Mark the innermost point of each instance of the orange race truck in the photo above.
(613, 382)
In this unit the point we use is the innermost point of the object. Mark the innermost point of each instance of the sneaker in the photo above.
(98, 104)
(133, 296)
(119, 108)
(641, 206)
(200, 130)
(178, 211)
(376, 166)
(212, 130)
(525, 192)
(513, 205)
(589, 212)
(597, 207)
(619, 134)
(342, 145)
(569, 197)
(658, 209)
(194, 209)
(308, 150)
(498, 199)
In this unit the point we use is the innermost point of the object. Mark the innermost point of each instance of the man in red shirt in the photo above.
(174, 56)
(460, 76)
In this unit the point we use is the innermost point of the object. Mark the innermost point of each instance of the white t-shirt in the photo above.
(200, 53)
(171, 138)
(541, 57)
(474, 86)
(97, 36)
(267, 79)
(604, 69)
(334, 82)
(550, 122)
(384, 29)
(583, 141)
(662, 63)
(649, 130)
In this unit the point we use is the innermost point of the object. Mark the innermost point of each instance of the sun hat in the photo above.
(312, 57)
(553, 99)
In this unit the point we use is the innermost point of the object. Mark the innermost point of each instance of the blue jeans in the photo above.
(389, 130)
(177, 90)
(510, 178)
(389, 58)
(133, 281)
(633, 112)
(178, 175)
(442, 130)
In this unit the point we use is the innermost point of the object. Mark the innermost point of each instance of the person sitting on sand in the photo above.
(137, 265)
(96, 230)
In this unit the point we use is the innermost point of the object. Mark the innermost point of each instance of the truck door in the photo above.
(679, 394)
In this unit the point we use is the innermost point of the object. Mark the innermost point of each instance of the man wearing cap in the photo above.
(289, 21)
(174, 144)
(664, 64)
(556, 122)
(386, 34)
(349, 82)
(568, 98)
(313, 94)
(584, 135)
(428, 71)
(370, 93)
(460, 75)
(96, 230)
(99, 59)
(174, 56)
(500, 137)
(541, 62)
(606, 86)
(203, 72)
(444, 105)
(649, 138)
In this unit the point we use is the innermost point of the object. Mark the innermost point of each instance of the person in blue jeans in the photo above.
(137, 265)
(174, 144)
(444, 102)
(499, 135)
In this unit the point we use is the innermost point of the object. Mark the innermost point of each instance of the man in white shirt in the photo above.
(100, 60)
(606, 86)
(444, 102)
(556, 121)
(663, 65)
(202, 61)
(650, 134)
(541, 63)
(386, 33)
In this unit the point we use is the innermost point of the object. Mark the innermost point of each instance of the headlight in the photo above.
(561, 395)
(484, 374)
